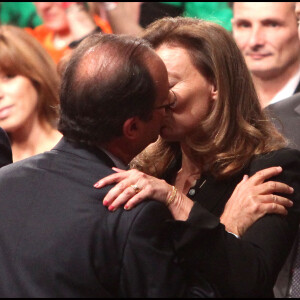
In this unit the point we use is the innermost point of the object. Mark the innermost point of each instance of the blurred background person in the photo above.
(218, 12)
(65, 24)
(266, 33)
(28, 93)
(286, 116)
(5, 149)
(133, 17)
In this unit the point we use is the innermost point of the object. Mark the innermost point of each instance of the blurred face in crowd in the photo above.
(266, 33)
(193, 92)
(18, 101)
(53, 15)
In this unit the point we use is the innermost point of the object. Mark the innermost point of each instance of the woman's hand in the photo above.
(134, 186)
(253, 198)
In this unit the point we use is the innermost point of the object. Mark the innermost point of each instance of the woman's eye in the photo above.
(7, 76)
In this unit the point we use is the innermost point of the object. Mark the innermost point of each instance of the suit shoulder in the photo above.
(289, 160)
(286, 158)
(148, 218)
(282, 157)
(20, 168)
(288, 103)
(151, 210)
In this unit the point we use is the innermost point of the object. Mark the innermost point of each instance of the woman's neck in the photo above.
(189, 173)
(32, 139)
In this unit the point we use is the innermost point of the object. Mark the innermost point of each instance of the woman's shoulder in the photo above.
(282, 157)
(289, 160)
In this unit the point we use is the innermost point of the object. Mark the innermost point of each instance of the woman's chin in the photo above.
(168, 135)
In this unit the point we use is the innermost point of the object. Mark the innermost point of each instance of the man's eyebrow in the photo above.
(266, 19)
(240, 19)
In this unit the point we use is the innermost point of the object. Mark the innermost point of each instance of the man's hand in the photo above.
(253, 198)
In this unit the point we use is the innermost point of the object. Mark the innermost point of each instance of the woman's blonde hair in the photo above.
(22, 54)
(235, 129)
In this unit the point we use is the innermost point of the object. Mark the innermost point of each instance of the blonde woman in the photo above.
(214, 133)
(28, 93)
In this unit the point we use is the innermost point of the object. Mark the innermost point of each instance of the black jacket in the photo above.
(58, 240)
(5, 149)
(246, 267)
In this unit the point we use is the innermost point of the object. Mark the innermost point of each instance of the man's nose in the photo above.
(257, 37)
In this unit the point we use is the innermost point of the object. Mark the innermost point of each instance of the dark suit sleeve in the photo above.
(246, 267)
(5, 149)
(150, 268)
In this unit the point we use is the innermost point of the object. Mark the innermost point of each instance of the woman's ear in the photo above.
(214, 93)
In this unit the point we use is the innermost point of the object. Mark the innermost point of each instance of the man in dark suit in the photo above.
(286, 117)
(5, 149)
(57, 239)
(266, 33)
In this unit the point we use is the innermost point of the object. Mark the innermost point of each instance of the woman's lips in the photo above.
(5, 111)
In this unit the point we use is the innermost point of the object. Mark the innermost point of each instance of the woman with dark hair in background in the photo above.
(28, 93)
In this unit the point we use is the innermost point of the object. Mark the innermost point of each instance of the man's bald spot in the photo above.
(104, 61)
(99, 62)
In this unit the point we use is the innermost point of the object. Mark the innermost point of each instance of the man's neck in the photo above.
(120, 150)
(268, 88)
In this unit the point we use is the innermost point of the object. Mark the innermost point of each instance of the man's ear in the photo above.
(131, 128)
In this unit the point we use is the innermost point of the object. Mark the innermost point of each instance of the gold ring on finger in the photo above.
(136, 188)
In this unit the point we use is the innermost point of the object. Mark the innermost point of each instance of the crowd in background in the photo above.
(37, 40)
(59, 27)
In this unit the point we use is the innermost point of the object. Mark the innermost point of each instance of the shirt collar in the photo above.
(118, 163)
(288, 90)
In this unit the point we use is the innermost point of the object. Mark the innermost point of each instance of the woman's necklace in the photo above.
(186, 182)
(192, 190)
